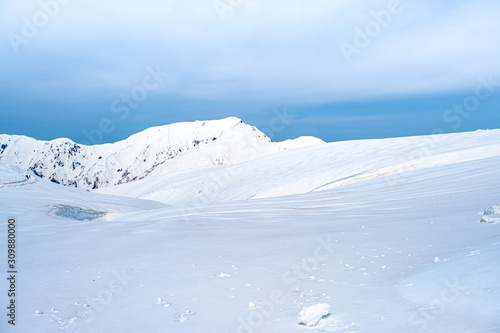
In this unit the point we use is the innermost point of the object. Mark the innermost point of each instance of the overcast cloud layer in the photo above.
(271, 53)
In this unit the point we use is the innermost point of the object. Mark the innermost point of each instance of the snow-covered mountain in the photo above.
(314, 168)
(157, 150)
(403, 235)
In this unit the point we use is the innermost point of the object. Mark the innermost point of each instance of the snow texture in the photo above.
(313, 168)
(11, 175)
(385, 231)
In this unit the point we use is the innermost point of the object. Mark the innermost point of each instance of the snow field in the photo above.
(401, 251)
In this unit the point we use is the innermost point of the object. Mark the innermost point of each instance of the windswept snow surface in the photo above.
(404, 252)
(314, 168)
(11, 175)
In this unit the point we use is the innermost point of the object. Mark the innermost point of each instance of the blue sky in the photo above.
(99, 71)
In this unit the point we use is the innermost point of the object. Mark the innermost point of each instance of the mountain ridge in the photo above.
(314, 168)
(156, 150)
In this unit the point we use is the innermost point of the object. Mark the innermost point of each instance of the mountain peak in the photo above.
(156, 150)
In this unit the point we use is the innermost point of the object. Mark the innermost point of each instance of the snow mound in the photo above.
(495, 218)
(491, 214)
(76, 213)
(311, 315)
(495, 209)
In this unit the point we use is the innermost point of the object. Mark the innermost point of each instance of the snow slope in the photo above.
(409, 256)
(11, 175)
(157, 150)
(314, 168)
(400, 253)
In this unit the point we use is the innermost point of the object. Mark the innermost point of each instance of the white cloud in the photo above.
(284, 49)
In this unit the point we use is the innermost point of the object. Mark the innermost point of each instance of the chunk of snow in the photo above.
(495, 209)
(491, 214)
(311, 315)
(490, 218)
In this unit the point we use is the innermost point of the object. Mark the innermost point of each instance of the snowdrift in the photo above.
(314, 168)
